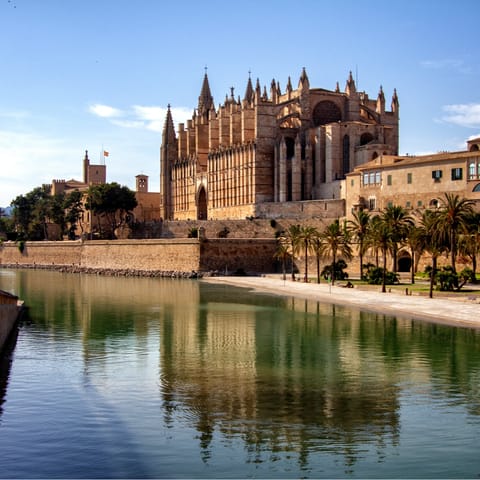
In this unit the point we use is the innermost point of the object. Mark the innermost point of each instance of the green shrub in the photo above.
(374, 276)
(21, 246)
(340, 266)
(193, 232)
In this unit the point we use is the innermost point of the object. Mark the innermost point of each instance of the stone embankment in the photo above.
(126, 272)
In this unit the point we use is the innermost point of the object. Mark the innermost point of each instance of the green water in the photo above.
(159, 378)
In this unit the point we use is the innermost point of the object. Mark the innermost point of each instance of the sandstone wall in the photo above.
(232, 255)
(162, 255)
(165, 255)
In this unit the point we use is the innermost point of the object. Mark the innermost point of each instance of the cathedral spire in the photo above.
(168, 135)
(350, 88)
(381, 101)
(249, 90)
(304, 83)
(395, 103)
(205, 100)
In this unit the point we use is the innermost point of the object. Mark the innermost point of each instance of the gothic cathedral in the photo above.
(270, 148)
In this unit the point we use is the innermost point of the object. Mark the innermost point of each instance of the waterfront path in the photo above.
(461, 310)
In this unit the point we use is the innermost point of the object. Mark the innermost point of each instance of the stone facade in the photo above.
(277, 147)
(414, 182)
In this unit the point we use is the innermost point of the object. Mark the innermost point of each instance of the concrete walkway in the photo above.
(462, 311)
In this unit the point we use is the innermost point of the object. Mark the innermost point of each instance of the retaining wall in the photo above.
(166, 255)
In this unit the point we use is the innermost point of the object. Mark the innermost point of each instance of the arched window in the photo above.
(472, 169)
(476, 188)
(326, 112)
(433, 203)
(366, 138)
(474, 148)
(202, 204)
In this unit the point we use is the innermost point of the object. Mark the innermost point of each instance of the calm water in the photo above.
(118, 377)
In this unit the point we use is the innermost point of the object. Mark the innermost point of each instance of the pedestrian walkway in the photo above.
(464, 311)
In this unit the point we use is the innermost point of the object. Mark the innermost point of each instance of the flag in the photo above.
(105, 153)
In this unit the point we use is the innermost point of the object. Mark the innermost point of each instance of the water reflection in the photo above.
(6, 358)
(280, 377)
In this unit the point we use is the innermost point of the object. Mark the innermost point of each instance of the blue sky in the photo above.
(80, 75)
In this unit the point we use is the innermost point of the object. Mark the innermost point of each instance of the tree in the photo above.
(56, 212)
(111, 202)
(384, 241)
(398, 221)
(336, 243)
(434, 239)
(373, 240)
(469, 242)
(360, 228)
(292, 238)
(73, 205)
(282, 253)
(453, 219)
(414, 241)
(31, 212)
(318, 250)
(307, 238)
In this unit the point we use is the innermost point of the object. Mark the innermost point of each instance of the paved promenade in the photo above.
(462, 311)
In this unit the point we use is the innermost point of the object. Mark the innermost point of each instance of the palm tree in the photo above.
(360, 228)
(398, 221)
(415, 244)
(469, 242)
(307, 238)
(336, 243)
(384, 239)
(282, 253)
(373, 240)
(318, 250)
(453, 218)
(293, 239)
(434, 239)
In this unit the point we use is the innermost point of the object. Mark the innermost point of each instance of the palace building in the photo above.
(414, 182)
(270, 148)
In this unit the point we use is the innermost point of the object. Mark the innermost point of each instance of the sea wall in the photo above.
(160, 255)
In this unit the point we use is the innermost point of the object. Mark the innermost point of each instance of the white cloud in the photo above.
(128, 123)
(105, 111)
(464, 115)
(30, 160)
(141, 116)
(448, 64)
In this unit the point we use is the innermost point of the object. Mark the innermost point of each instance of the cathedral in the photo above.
(271, 147)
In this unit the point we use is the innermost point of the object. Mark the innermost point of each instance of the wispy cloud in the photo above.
(458, 65)
(140, 116)
(33, 159)
(105, 111)
(14, 114)
(464, 115)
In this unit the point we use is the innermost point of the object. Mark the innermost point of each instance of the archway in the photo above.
(404, 263)
(326, 112)
(202, 204)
